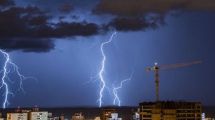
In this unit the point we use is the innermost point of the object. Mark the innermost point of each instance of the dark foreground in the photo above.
(91, 112)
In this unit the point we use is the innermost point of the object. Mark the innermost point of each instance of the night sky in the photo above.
(58, 43)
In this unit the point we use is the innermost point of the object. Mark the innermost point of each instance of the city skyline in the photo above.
(61, 44)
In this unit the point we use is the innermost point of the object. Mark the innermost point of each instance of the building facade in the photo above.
(106, 113)
(114, 116)
(39, 115)
(170, 110)
(17, 116)
(78, 116)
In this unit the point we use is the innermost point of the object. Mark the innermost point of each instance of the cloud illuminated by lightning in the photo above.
(5, 77)
(102, 69)
(117, 100)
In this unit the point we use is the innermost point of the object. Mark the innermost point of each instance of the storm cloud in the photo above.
(6, 3)
(27, 45)
(29, 29)
(66, 8)
(132, 24)
(133, 15)
(141, 7)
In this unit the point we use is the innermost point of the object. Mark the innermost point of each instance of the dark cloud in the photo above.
(27, 45)
(20, 22)
(21, 25)
(64, 29)
(6, 2)
(31, 22)
(29, 29)
(134, 24)
(142, 7)
(133, 15)
(66, 8)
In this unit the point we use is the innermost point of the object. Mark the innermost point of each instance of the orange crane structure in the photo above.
(156, 68)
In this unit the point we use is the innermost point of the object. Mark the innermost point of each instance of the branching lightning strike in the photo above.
(117, 100)
(102, 69)
(4, 79)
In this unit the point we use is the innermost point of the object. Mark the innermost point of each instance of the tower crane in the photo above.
(156, 68)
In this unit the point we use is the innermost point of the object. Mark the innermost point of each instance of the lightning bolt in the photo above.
(116, 89)
(102, 69)
(4, 79)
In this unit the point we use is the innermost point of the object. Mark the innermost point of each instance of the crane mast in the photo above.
(156, 71)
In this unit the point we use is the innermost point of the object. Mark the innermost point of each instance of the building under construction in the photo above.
(170, 110)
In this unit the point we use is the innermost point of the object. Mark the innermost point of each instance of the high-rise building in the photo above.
(17, 116)
(39, 115)
(62, 117)
(170, 110)
(136, 116)
(114, 116)
(97, 118)
(78, 116)
(1, 117)
(106, 113)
